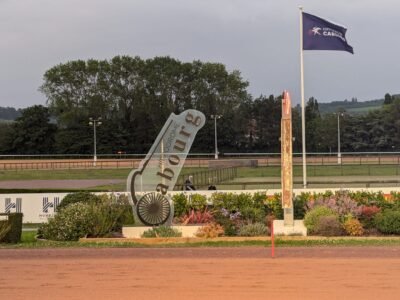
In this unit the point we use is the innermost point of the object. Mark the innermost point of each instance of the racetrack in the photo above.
(201, 273)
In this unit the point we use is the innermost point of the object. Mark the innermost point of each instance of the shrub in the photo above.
(85, 197)
(328, 226)
(367, 215)
(312, 217)
(13, 234)
(353, 227)
(274, 206)
(197, 217)
(180, 205)
(252, 215)
(256, 229)
(210, 230)
(70, 224)
(341, 203)
(161, 231)
(388, 221)
(109, 216)
(299, 205)
(197, 202)
(4, 229)
(99, 218)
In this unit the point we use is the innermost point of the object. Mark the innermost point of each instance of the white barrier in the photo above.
(37, 208)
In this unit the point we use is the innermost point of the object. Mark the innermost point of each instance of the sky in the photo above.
(260, 38)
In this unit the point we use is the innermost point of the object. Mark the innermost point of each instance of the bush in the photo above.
(4, 229)
(367, 215)
(161, 231)
(328, 226)
(85, 197)
(252, 215)
(210, 230)
(13, 234)
(341, 203)
(100, 218)
(256, 229)
(197, 217)
(197, 202)
(180, 205)
(274, 206)
(299, 205)
(70, 224)
(353, 227)
(313, 216)
(388, 221)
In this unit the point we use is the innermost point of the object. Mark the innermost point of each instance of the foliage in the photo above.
(328, 226)
(274, 206)
(255, 229)
(161, 231)
(197, 202)
(85, 197)
(31, 133)
(13, 235)
(180, 204)
(197, 217)
(299, 205)
(210, 230)
(4, 229)
(341, 203)
(353, 227)
(367, 215)
(388, 221)
(70, 224)
(252, 215)
(312, 217)
(100, 218)
(135, 96)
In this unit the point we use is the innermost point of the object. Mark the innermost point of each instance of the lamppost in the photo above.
(339, 155)
(215, 117)
(94, 122)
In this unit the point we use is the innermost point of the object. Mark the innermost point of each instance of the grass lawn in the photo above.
(74, 174)
(28, 240)
(271, 171)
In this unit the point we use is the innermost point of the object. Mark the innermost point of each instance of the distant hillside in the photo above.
(353, 106)
(9, 113)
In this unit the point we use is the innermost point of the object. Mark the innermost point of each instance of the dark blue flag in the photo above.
(320, 34)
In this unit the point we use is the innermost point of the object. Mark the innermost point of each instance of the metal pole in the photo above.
(216, 143)
(94, 139)
(339, 155)
(303, 115)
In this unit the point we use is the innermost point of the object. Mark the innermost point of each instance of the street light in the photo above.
(339, 155)
(215, 117)
(94, 122)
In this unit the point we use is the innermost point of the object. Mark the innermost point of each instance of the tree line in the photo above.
(134, 97)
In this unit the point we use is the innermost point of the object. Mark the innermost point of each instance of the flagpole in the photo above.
(303, 117)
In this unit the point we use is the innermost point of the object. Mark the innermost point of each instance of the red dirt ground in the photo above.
(201, 273)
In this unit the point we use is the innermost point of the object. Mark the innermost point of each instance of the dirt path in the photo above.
(201, 273)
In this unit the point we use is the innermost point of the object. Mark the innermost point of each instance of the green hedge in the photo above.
(14, 234)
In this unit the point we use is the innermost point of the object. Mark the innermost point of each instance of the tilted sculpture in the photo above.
(158, 172)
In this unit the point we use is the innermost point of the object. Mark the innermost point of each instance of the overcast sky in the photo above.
(260, 38)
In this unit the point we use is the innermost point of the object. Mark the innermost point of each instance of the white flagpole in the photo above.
(303, 115)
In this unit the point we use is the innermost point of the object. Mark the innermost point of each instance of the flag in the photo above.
(320, 34)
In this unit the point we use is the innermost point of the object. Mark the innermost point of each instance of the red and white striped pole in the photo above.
(272, 240)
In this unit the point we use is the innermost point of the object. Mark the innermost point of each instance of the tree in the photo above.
(388, 99)
(135, 97)
(313, 122)
(32, 132)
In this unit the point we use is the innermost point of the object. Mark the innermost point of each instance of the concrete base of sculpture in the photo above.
(137, 231)
(297, 229)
